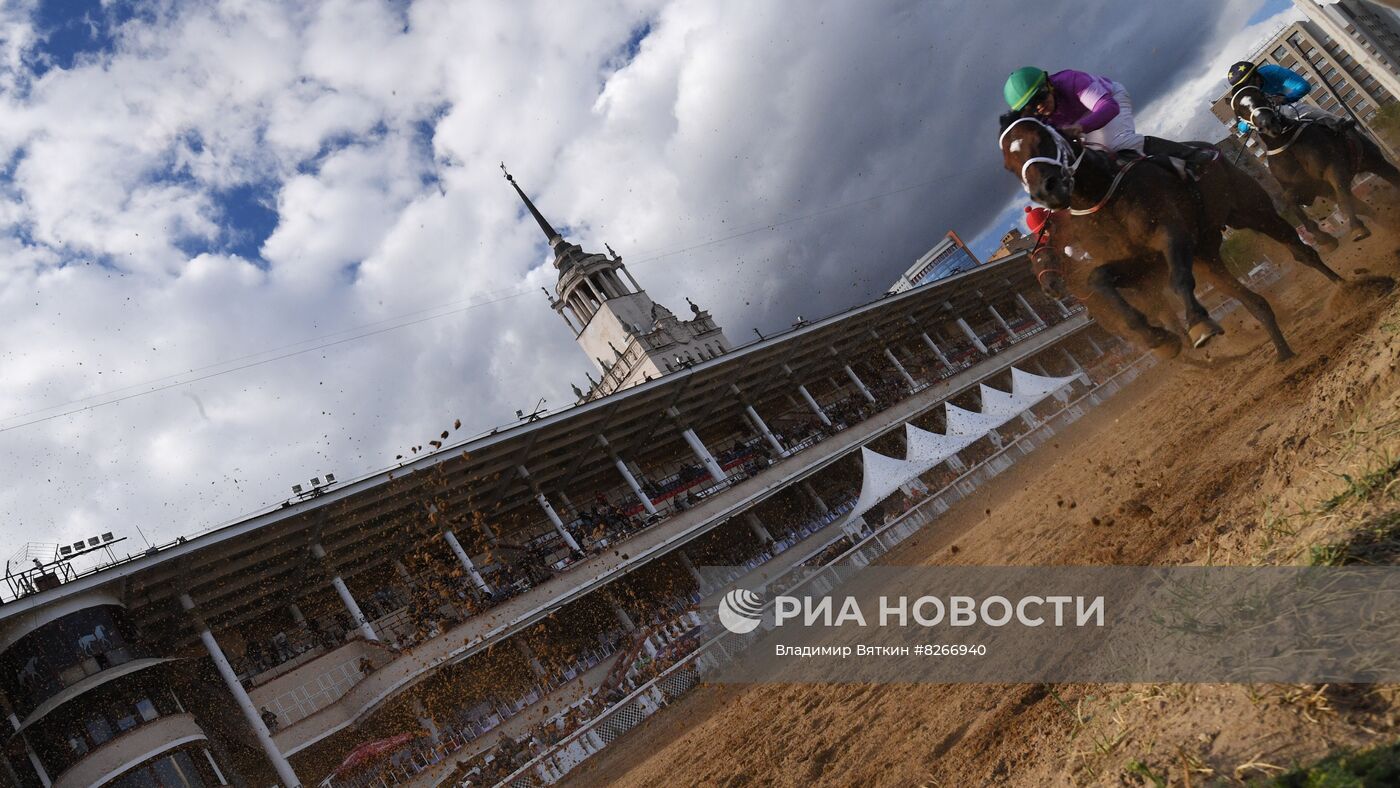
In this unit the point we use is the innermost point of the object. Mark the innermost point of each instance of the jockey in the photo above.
(1095, 108)
(1285, 86)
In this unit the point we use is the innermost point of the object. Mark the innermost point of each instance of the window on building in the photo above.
(1370, 116)
(1280, 52)
(1349, 94)
(1361, 106)
(1312, 52)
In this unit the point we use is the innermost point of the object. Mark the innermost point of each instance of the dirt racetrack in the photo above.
(1238, 461)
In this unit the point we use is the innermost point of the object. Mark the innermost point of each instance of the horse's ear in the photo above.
(1009, 117)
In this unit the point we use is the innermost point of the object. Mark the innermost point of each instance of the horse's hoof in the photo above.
(1285, 355)
(1166, 351)
(1203, 332)
(1326, 243)
(1361, 233)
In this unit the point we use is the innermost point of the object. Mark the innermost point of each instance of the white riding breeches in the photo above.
(1121, 132)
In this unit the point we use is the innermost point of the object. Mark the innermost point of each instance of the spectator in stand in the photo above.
(269, 719)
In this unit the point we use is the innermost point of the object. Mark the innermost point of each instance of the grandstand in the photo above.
(430, 619)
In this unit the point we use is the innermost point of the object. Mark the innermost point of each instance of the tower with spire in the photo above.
(630, 338)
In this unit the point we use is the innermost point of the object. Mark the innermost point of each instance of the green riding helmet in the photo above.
(1022, 86)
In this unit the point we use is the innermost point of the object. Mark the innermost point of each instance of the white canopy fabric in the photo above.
(1026, 384)
(883, 475)
(927, 449)
(965, 423)
(1005, 406)
(923, 449)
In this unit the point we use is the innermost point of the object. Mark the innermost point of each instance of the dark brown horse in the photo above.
(1128, 216)
(1142, 284)
(1309, 159)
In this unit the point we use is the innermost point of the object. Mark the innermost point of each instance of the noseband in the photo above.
(1064, 158)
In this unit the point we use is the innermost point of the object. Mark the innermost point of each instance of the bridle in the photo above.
(1253, 111)
(1066, 160)
(1064, 157)
(1048, 265)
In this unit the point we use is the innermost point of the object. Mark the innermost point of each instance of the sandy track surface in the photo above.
(1235, 461)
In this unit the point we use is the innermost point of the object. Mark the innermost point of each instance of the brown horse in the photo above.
(1127, 216)
(1142, 283)
(1311, 160)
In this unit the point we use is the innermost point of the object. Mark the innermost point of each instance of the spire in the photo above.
(549, 232)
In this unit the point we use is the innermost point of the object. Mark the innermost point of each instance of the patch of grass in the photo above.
(1141, 770)
(1373, 768)
(1376, 544)
(1364, 486)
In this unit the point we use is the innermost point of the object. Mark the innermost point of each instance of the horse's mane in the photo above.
(1009, 117)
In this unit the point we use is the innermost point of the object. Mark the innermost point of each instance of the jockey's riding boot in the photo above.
(1188, 161)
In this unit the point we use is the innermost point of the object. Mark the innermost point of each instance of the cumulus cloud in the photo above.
(187, 189)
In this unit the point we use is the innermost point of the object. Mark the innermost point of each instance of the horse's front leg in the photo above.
(1180, 254)
(1104, 294)
(1321, 238)
(1339, 177)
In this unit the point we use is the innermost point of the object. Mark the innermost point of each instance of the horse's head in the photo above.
(1041, 157)
(1046, 265)
(1253, 107)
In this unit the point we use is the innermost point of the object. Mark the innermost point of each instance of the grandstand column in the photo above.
(1001, 321)
(691, 570)
(756, 526)
(758, 422)
(404, 575)
(245, 704)
(628, 477)
(1073, 362)
(812, 403)
(425, 720)
(568, 504)
(955, 462)
(972, 336)
(549, 511)
(889, 354)
(937, 351)
(1064, 310)
(466, 561)
(298, 617)
(346, 598)
(529, 654)
(995, 438)
(33, 756)
(816, 499)
(851, 373)
(621, 615)
(860, 385)
(1098, 351)
(1026, 307)
(698, 446)
(808, 398)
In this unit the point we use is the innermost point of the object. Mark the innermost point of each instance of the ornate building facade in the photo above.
(630, 338)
